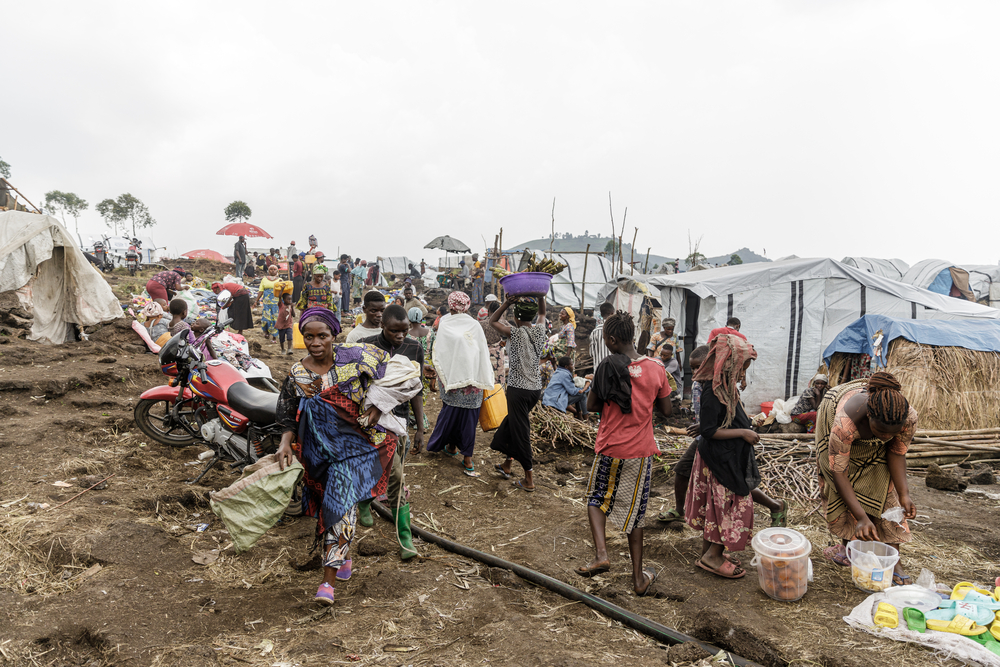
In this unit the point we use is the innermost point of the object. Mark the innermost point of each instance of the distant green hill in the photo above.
(599, 243)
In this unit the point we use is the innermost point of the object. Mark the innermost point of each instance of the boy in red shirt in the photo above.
(626, 388)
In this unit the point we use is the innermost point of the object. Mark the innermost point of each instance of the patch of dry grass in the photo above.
(950, 387)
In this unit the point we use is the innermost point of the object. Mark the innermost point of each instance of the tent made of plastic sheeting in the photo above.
(63, 288)
(887, 268)
(941, 277)
(984, 281)
(568, 285)
(397, 265)
(791, 311)
(631, 294)
(872, 334)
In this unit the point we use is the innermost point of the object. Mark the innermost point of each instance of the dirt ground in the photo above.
(109, 578)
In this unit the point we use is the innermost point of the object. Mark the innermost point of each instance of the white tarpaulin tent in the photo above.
(567, 286)
(66, 289)
(397, 265)
(894, 269)
(791, 311)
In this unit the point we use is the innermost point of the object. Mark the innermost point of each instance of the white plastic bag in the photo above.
(895, 514)
(782, 410)
(190, 300)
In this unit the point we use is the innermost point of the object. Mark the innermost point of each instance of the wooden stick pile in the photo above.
(931, 444)
(551, 427)
(787, 467)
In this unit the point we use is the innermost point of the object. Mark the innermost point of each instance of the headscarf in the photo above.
(414, 314)
(179, 270)
(152, 310)
(526, 309)
(319, 313)
(668, 322)
(214, 285)
(459, 301)
(319, 268)
(820, 378)
(572, 316)
(723, 367)
(484, 314)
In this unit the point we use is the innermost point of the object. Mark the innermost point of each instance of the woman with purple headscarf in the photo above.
(331, 412)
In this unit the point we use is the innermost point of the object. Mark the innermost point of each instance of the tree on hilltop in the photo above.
(125, 210)
(238, 211)
(65, 203)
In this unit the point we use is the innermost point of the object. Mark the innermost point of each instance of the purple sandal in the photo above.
(325, 594)
(344, 571)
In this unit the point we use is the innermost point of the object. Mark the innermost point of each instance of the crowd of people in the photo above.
(353, 411)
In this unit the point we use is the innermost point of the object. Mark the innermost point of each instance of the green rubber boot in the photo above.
(401, 517)
(365, 513)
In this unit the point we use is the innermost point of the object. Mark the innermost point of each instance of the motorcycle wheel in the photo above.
(153, 417)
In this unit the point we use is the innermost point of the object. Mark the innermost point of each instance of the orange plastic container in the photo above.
(494, 409)
(766, 407)
(297, 342)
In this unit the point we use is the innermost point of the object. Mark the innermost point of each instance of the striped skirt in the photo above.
(620, 489)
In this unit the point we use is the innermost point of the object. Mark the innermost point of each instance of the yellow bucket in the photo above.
(494, 409)
(297, 342)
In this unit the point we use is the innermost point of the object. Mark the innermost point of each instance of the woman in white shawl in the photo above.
(461, 358)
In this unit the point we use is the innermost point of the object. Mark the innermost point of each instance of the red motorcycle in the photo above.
(208, 401)
(132, 256)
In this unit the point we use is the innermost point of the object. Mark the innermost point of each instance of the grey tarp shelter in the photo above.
(791, 310)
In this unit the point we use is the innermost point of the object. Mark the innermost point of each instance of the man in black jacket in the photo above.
(240, 255)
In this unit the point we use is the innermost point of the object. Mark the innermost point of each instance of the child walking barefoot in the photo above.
(626, 388)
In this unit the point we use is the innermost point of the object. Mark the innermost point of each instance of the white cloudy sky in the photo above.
(810, 128)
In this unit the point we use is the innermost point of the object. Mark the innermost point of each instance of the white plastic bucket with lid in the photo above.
(872, 564)
(784, 569)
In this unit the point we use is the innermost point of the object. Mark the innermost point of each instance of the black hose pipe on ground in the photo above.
(657, 631)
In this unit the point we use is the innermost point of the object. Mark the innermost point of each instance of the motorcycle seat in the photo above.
(258, 405)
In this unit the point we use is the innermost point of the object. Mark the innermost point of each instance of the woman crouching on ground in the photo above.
(331, 412)
(626, 388)
(718, 501)
(862, 433)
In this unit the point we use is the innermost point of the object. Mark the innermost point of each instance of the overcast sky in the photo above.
(811, 128)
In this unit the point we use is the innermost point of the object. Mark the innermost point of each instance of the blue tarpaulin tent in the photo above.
(859, 336)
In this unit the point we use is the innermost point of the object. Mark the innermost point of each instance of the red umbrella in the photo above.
(206, 254)
(243, 229)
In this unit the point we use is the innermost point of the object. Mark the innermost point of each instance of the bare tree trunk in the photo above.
(645, 267)
(552, 236)
(631, 261)
(613, 235)
(583, 291)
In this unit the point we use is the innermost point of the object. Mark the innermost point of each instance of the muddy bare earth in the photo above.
(128, 573)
